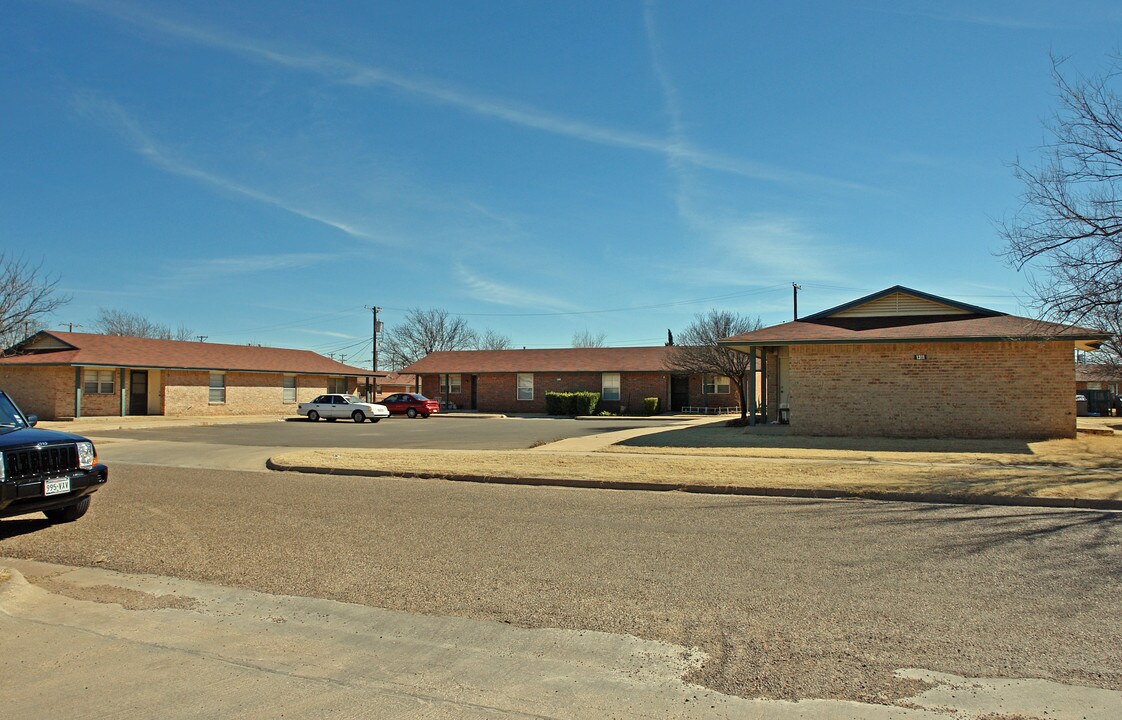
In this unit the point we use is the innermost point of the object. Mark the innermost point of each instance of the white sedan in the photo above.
(333, 407)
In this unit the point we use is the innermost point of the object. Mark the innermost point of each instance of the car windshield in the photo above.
(349, 398)
(10, 417)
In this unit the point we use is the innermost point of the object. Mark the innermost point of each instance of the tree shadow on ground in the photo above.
(716, 435)
(1052, 535)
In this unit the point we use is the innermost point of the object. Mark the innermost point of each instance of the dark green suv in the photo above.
(44, 471)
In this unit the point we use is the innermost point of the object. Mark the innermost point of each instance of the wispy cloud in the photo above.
(501, 294)
(116, 117)
(344, 71)
(191, 272)
(326, 333)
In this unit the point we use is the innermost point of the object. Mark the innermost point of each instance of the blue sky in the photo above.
(261, 171)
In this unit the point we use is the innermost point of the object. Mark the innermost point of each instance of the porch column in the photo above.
(763, 383)
(124, 393)
(77, 392)
(752, 389)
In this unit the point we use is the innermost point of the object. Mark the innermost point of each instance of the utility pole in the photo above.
(375, 327)
(202, 338)
(71, 326)
(795, 287)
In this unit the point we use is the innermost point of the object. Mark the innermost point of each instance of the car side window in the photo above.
(320, 399)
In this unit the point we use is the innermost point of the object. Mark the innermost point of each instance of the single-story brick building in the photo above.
(61, 374)
(903, 363)
(516, 381)
(396, 382)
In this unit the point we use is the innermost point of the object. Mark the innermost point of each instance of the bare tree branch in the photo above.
(492, 340)
(27, 297)
(588, 339)
(697, 351)
(132, 324)
(428, 331)
(1069, 226)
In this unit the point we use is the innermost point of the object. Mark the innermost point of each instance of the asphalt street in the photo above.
(787, 598)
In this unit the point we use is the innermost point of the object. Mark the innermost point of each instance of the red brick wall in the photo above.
(497, 392)
(976, 390)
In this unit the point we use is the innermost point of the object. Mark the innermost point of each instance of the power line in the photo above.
(759, 291)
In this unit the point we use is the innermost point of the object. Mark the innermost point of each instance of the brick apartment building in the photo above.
(516, 381)
(61, 375)
(908, 364)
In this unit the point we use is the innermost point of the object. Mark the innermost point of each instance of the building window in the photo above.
(217, 387)
(97, 382)
(717, 385)
(525, 386)
(337, 386)
(288, 395)
(609, 386)
(450, 383)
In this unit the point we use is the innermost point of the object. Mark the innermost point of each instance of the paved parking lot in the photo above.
(395, 432)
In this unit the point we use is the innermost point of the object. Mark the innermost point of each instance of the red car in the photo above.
(410, 404)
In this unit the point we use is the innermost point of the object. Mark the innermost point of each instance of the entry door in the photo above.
(138, 392)
(473, 379)
(679, 392)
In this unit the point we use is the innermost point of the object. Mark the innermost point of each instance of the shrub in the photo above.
(651, 405)
(571, 403)
(583, 403)
(556, 403)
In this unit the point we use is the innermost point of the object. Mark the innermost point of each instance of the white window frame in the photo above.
(609, 390)
(450, 383)
(524, 386)
(288, 390)
(216, 392)
(714, 385)
(96, 378)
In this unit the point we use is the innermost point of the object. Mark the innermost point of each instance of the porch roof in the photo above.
(900, 314)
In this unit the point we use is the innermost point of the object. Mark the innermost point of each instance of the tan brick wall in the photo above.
(187, 392)
(973, 390)
(44, 391)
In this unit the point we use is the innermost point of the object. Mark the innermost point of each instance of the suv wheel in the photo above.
(70, 513)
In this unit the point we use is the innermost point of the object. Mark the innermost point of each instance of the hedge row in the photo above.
(571, 403)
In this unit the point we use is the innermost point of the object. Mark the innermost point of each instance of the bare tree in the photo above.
(696, 350)
(588, 339)
(1069, 226)
(131, 324)
(428, 331)
(27, 297)
(492, 340)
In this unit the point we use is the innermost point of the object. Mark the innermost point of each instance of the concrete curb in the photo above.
(806, 493)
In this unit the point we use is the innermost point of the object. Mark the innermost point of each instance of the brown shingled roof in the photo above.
(88, 349)
(912, 329)
(631, 359)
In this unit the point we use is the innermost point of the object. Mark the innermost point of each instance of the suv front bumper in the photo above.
(26, 496)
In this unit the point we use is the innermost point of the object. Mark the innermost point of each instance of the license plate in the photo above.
(56, 487)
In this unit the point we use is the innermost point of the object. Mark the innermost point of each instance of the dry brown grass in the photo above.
(677, 469)
(1087, 451)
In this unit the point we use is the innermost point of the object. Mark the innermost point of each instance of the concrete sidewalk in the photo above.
(92, 643)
